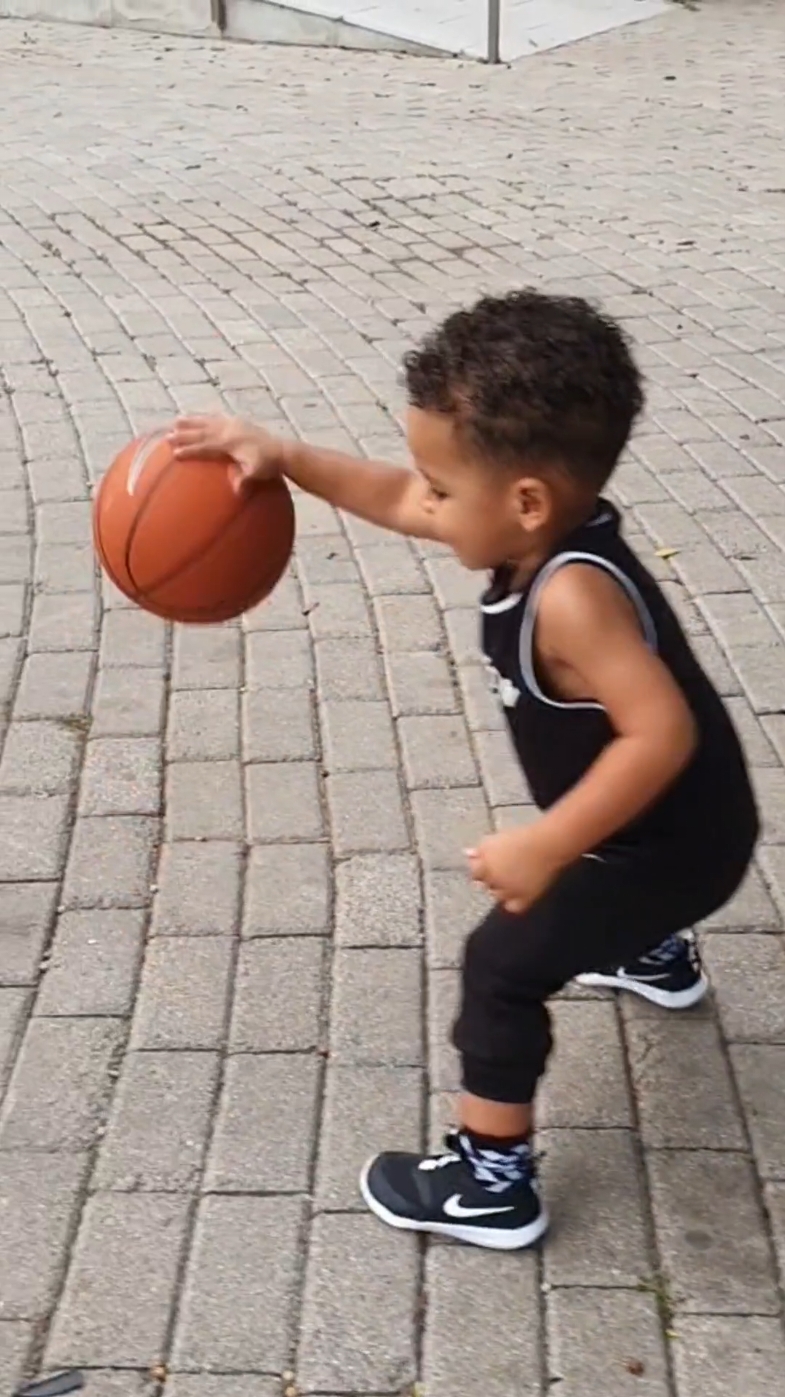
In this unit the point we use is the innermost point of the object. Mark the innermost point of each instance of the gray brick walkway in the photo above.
(231, 894)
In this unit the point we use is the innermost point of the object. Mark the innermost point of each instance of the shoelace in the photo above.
(452, 1153)
(674, 948)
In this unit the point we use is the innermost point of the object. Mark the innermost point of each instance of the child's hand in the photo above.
(515, 866)
(257, 454)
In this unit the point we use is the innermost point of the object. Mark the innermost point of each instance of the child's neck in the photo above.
(523, 568)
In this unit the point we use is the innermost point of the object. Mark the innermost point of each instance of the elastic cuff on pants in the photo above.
(510, 1083)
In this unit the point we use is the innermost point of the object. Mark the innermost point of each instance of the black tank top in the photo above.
(711, 803)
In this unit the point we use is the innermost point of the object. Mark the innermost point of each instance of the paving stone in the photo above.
(206, 659)
(93, 965)
(12, 609)
(752, 907)
(117, 1315)
(239, 1318)
(584, 1032)
(408, 624)
(220, 1385)
(277, 1000)
(447, 823)
(35, 830)
(278, 726)
(769, 786)
(501, 775)
(128, 703)
(444, 1000)
(463, 636)
(39, 758)
(759, 1074)
(121, 776)
(15, 559)
(365, 1108)
(348, 669)
(436, 752)
(722, 1354)
(420, 684)
(589, 1182)
(282, 611)
(366, 812)
(63, 621)
(454, 585)
(64, 567)
(339, 611)
(717, 667)
(264, 1131)
(711, 1233)
(122, 1382)
(203, 800)
(482, 708)
(183, 997)
(132, 638)
(606, 1341)
(684, 1092)
(356, 1271)
(761, 673)
(507, 1358)
(198, 890)
(388, 1032)
(390, 569)
(61, 1085)
(758, 749)
(16, 1343)
(358, 736)
(453, 907)
(322, 560)
(278, 660)
(283, 801)
(159, 1124)
(38, 1209)
(287, 891)
(26, 912)
(110, 862)
(747, 973)
(203, 726)
(13, 1014)
(378, 901)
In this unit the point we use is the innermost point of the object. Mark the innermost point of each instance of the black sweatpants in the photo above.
(601, 912)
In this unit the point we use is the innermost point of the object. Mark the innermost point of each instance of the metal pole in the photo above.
(494, 54)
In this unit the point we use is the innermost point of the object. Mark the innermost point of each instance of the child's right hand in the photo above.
(257, 454)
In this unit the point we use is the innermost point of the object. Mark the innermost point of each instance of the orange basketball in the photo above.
(176, 538)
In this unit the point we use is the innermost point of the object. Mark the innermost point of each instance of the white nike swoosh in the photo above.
(646, 979)
(454, 1209)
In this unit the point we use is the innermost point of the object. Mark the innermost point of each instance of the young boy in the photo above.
(519, 411)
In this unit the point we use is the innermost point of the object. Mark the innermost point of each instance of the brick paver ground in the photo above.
(231, 896)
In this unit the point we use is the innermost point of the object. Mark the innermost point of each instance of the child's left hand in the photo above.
(515, 866)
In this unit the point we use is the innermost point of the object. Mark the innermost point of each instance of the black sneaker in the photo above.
(439, 1193)
(671, 975)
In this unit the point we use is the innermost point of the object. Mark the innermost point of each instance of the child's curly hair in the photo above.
(532, 380)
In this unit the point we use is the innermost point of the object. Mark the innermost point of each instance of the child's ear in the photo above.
(533, 502)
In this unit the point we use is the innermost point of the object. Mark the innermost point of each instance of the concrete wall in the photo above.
(166, 16)
(263, 21)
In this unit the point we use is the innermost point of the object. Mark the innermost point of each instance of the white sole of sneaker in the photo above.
(680, 999)
(512, 1240)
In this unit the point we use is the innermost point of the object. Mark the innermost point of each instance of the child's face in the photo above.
(487, 517)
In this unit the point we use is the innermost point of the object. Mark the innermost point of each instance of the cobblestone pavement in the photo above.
(232, 898)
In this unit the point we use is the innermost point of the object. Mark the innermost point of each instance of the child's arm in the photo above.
(587, 630)
(590, 646)
(390, 496)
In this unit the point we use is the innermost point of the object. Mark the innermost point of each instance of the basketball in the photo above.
(176, 538)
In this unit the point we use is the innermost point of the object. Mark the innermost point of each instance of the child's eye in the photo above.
(437, 494)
